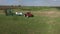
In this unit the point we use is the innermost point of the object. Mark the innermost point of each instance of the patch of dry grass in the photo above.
(47, 13)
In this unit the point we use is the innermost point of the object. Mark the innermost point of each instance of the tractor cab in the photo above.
(8, 12)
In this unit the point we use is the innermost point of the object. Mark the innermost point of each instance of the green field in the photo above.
(43, 22)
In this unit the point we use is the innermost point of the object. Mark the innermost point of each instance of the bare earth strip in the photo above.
(48, 13)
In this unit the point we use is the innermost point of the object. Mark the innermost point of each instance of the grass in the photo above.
(41, 23)
(23, 25)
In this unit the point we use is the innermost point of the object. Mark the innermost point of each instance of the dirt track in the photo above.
(48, 13)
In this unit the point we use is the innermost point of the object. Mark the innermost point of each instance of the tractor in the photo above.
(8, 12)
(28, 14)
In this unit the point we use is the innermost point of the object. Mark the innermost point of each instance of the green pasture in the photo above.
(34, 25)
(43, 22)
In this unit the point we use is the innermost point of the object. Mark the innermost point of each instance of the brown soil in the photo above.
(48, 13)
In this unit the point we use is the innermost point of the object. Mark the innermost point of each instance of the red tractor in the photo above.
(28, 14)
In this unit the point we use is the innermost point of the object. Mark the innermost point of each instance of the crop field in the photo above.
(43, 22)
